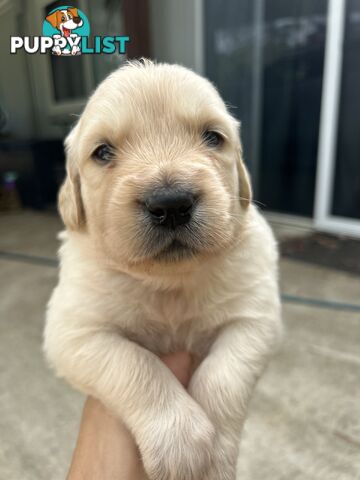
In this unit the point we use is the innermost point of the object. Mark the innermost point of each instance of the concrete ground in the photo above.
(304, 420)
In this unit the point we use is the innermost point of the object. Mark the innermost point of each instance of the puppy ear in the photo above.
(245, 190)
(73, 11)
(70, 201)
(53, 19)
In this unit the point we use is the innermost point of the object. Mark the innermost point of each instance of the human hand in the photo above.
(105, 448)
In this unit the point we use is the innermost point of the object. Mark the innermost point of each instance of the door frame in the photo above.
(323, 218)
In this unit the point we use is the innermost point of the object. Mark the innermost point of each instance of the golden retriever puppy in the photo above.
(163, 252)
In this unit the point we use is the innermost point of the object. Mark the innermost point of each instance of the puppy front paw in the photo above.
(221, 474)
(226, 451)
(56, 50)
(178, 447)
(75, 50)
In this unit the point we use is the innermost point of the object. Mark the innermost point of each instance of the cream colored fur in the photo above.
(116, 307)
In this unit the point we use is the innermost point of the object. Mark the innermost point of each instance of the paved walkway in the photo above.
(304, 421)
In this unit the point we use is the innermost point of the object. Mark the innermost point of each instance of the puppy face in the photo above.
(155, 174)
(65, 20)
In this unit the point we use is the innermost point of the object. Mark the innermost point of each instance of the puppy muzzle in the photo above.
(170, 208)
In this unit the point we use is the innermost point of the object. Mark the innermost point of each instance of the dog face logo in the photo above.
(66, 25)
(65, 20)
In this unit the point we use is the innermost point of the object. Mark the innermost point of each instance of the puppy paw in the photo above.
(179, 447)
(75, 50)
(226, 451)
(217, 474)
(56, 50)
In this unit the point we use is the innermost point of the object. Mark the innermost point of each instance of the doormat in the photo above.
(331, 251)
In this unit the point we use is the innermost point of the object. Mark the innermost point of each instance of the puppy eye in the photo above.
(212, 139)
(63, 18)
(103, 154)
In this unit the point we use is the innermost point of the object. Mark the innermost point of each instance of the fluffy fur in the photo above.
(121, 301)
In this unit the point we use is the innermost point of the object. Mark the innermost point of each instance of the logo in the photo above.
(66, 25)
(66, 32)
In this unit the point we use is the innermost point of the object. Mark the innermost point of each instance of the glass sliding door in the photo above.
(267, 57)
(293, 58)
(338, 180)
(230, 57)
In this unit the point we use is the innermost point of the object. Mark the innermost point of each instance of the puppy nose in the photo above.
(77, 20)
(170, 208)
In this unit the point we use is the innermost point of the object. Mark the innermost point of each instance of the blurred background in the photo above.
(290, 72)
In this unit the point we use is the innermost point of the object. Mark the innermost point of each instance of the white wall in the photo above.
(176, 31)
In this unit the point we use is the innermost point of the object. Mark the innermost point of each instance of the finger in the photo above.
(181, 365)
